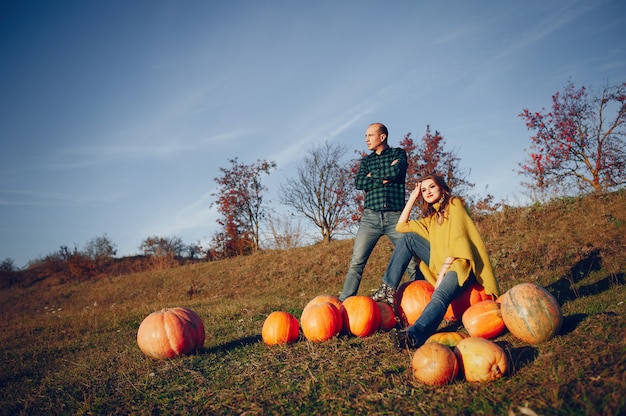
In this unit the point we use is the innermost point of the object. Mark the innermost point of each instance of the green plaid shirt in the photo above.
(379, 196)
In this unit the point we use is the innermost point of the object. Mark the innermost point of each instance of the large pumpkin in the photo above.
(447, 338)
(473, 294)
(434, 364)
(531, 313)
(321, 322)
(481, 359)
(322, 298)
(483, 319)
(171, 332)
(387, 317)
(411, 300)
(280, 327)
(361, 315)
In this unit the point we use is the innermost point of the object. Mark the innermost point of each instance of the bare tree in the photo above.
(9, 275)
(283, 232)
(162, 246)
(323, 190)
(100, 247)
(101, 250)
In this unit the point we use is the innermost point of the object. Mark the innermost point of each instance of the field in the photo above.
(71, 348)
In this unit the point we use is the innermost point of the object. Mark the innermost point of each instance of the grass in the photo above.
(71, 348)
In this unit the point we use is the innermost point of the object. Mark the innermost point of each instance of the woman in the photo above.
(451, 251)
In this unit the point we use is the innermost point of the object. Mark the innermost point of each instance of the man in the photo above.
(381, 175)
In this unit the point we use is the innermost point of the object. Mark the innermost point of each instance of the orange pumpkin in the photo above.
(323, 298)
(531, 313)
(361, 316)
(434, 364)
(480, 359)
(473, 294)
(483, 319)
(387, 317)
(321, 322)
(447, 338)
(280, 328)
(412, 298)
(171, 332)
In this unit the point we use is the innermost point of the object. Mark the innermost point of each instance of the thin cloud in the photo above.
(550, 24)
(452, 36)
(144, 148)
(49, 199)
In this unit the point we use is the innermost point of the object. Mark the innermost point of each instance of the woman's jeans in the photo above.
(373, 225)
(409, 245)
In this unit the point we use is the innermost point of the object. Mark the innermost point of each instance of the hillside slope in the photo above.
(71, 348)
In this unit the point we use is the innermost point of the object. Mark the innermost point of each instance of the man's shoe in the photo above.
(401, 339)
(385, 294)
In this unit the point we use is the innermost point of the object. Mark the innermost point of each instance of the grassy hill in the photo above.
(71, 348)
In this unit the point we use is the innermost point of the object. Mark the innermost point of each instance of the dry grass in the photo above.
(71, 349)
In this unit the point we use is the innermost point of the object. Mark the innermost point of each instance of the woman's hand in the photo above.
(415, 193)
(406, 212)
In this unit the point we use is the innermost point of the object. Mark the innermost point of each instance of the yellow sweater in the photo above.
(456, 237)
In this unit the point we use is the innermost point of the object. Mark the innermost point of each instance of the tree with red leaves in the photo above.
(430, 156)
(579, 145)
(240, 202)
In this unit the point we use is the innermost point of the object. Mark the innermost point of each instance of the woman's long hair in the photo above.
(446, 196)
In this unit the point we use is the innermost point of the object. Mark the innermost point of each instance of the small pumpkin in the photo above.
(360, 315)
(387, 317)
(412, 298)
(483, 319)
(280, 327)
(480, 359)
(447, 338)
(531, 313)
(473, 294)
(321, 322)
(434, 364)
(171, 332)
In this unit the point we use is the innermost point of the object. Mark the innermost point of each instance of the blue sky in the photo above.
(115, 116)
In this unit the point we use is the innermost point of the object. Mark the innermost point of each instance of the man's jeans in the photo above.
(373, 225)
(410, 245)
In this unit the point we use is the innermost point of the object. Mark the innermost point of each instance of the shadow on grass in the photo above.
(571, 322)
(229, 346)
(564, 289)
(518, 357)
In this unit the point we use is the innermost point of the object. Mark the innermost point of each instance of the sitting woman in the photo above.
(451, 251)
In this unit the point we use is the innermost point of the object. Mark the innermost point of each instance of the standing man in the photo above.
(381, 175)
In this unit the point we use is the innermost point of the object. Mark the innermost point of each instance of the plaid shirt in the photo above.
(379, 196)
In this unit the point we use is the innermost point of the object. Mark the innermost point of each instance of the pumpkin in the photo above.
(171, 332)
(483, 319)
(412, 298)
(360, 315)
(321, 322)
(322, 298)
(280, 328)
(434, 364)
(531, 313)
(447, 338)
(473, 294)
(387, 317)
(480, 359)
